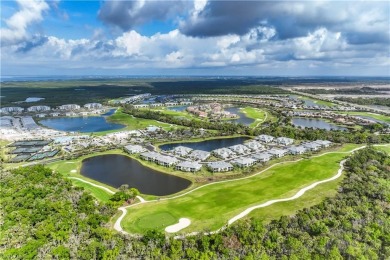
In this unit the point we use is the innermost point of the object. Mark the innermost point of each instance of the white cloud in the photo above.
(29, 12)
(228, 40)
(132, 42)
(318, 43)
(257, 50)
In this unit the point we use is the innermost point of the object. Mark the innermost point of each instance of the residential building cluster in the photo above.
(132, 99)
(280, 101)
(166, 104)
(211, 110)
(263, 149)
(23, 127)
(63, 110)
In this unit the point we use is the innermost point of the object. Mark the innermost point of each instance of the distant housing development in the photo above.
(93, 105)
(7, 110)
(38, 108)
(69, 107)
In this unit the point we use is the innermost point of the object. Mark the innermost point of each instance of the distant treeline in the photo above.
(282, 127)
(350, 91)
(45, 217)
(383, 101)
(233, 87)
(81, 92)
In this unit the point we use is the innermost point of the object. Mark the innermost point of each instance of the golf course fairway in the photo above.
(211, 206)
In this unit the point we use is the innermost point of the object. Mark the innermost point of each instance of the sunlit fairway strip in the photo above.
(211, 206)
(259, 115)
(133, 123)
(318, 101)
(96, 191)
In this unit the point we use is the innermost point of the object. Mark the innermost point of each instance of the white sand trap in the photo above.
(73, 171)
(69, 162)
(183, 223)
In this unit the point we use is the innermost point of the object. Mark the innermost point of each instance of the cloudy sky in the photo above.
(201, 37)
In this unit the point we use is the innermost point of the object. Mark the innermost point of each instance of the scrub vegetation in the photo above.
(46, 217)
(102, 90)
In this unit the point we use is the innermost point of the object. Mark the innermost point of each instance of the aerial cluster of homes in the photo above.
(280, 101)
(211, 110)
(166, 104)
(131, 99)
(261, 150)
(66, 110)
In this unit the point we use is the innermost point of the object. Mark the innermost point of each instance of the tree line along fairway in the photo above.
(210, 207)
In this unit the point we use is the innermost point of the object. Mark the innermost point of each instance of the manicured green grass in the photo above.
(318, 102)
(310, 198)
(4, 142)
(257, 114)
(97, 192)
(133, 123)
(288, 208)
(348, 147)
(373, 115)
(384, 148)
(167, 111)
(161, 219)
(210, 207)
(3, 150)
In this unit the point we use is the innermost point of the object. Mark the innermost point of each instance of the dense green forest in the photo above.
(366, 101)
(350, 91)
(83, 91)
(282, 127)
(45, 217)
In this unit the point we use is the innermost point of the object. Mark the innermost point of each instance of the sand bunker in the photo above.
(73, 171)
(183, 223)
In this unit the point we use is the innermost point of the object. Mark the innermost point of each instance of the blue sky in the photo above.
(282, 38)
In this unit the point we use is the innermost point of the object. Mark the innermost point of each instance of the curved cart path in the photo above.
(102, 187)
(297, 195)
(118, 227)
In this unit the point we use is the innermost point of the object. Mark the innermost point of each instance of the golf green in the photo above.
(211, 206)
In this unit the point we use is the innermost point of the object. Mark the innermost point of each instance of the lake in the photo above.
(316, 123)
(110, 112)
(207, 145)
(373, 119)
(116, 169)
(307, 102)
(80, 124)
(178, 108)
(243, 119)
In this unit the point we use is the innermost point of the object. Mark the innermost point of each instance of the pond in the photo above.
(110, 112)
(178, 108)
(316, 123)
(373, 119)
(385, 108)
(116, 169)
(243, 119)
(306, 101)
(207, 145)
(80, 124)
